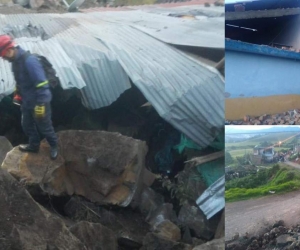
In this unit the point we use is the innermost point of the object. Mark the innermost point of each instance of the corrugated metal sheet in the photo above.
(207, 32)
(99, 57)
(212, 200)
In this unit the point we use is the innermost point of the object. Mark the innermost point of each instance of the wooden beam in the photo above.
(207, 158)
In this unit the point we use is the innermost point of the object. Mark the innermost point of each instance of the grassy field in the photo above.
(279, 179)
(239, 152)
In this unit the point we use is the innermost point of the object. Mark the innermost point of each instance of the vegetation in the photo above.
(294, 156)
(228, 158)
(276, 179)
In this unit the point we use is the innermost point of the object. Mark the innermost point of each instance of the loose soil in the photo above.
(253, 216)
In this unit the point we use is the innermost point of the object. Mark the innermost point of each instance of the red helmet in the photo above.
(6, 43)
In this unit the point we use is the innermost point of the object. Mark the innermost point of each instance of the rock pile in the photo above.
(278, 236)
(285, 118)
(109, 202)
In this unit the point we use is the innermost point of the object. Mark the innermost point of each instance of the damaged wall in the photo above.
(275, 31)
(254, 83)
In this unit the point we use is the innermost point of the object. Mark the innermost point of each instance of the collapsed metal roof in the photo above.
(207, 32)
(212, 200)
(100, 57)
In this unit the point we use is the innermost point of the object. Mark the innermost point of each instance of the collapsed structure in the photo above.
(262, 58)
(102, 55)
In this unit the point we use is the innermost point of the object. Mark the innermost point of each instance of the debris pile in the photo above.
(278, 236)
(98, 183)
(286, 118)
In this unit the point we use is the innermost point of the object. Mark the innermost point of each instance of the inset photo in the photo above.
(262, 62)
(262, 190)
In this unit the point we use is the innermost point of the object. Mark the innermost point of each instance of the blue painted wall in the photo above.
(256, 75)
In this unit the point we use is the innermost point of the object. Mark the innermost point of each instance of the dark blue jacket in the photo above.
(29, 75)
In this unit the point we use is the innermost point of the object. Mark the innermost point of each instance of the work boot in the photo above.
(53, 153)
(28, 148)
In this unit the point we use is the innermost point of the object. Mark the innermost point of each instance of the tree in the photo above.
(228, 158)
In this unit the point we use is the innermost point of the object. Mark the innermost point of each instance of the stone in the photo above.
(147, 201)
(25, 225)
(5, 147)
(153, 241)
(103, 167)
(95, 236)
(194, 218)
(236, 236)
(246, 118)
(217, 244)
(162, 213)
(187, 237)
(284, 239)
(274, 231)
(197, 242)
(220, 232)
(148, 177)
(36, 4)
(129, 226)
(168, 230)
(282, 229)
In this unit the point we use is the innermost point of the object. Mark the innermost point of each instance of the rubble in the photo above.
(87, 166)
(151, 210)
(95, 236)
(153, 241)
(277, 236)
(168, 230)
(286, 118)
(5, 147)
(129, 227)
(24, 224)
(217, 244)
(193, 218)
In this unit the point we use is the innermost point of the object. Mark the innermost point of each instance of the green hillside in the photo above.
(278, 179)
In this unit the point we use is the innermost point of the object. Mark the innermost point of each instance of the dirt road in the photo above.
(292, 164)
(254, 215)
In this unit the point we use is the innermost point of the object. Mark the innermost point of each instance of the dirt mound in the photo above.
(276, 237)
(291, 117)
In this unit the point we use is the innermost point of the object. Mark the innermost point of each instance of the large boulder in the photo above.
(103, 167)
(218, 244)
(5, 147)
(95, 236)
(168, 230)
(154, 241)
(193, 218)
(26, 225)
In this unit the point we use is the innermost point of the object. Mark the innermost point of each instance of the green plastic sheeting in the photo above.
(211, 171)
(219, 142)
(185, 142)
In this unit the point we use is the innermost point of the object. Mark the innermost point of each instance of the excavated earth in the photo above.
(278, 236)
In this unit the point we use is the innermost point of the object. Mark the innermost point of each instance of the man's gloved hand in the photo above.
(40, 111)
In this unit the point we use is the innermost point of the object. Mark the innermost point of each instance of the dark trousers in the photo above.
(32, 126)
